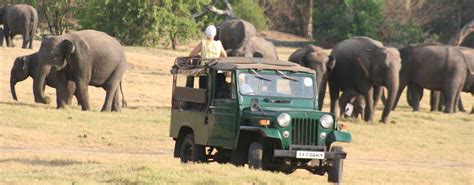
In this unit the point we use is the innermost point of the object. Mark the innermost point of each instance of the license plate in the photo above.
(309, 155)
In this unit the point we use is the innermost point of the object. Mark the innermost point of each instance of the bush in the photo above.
(339, 20)
(398, 34)
(140, 22)
(251, 11)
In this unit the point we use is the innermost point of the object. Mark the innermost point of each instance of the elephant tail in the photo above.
(31, 29)
(124, 102)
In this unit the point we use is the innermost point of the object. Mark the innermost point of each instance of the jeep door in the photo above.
(223, 110)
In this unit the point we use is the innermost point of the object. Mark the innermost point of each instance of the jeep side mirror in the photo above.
(254, 105)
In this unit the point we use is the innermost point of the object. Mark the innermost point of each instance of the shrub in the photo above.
(251, 11)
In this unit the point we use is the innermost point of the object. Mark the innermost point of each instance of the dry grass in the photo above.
(39, 144)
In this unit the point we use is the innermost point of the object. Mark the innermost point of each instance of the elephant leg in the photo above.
(369, 106)
(460, 105)
(6, 34)
(322, 93)
(32, 36)
(83, 94)
(415, 92)
(116, 103)
(456, 103)
(25, 40)
(402, 84)
(71, 91)
(61, 91)
(109, 97)
(11, 40)
(435, 100)
(378, 91)
(334, 96)
(450, 99)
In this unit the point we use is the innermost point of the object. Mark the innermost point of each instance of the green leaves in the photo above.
(337, 21)
(141, 22)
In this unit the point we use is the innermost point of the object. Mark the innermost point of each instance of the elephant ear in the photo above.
(364, 61)
(68, 48)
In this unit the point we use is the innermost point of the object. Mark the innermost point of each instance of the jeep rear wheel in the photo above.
(190, 151)
(335, 167)
(256, 155)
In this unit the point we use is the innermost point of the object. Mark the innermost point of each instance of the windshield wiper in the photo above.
(284, 76)
(259, 76)
(268, 100)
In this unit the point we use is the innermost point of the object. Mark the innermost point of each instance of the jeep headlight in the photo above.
(284, 119)
(326, 121)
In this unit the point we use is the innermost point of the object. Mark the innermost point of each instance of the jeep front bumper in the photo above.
(309, 152)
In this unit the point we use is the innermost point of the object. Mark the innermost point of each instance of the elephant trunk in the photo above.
(12, 88)
(38, 85)
(321, 84)
(392, 88)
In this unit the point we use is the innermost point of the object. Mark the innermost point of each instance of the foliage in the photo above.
(342, 19)
(399, 34)
(251, 11)
(54, 15)
(141, 22)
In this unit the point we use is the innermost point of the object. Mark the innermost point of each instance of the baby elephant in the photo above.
(26, 66)
(351, 104)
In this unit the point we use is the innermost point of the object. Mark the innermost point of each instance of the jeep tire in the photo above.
(256, 155)
(335, 167)
(190, 151)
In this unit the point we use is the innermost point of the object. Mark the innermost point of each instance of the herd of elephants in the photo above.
(359, 67)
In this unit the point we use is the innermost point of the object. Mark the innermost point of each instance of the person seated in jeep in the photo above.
(209, 48)
(222, 91)
(244, 87)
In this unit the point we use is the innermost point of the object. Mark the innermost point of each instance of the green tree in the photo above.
(341, 19)
(251, 11)
(140, 22)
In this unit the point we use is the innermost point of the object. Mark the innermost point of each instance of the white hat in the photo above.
(211, 31)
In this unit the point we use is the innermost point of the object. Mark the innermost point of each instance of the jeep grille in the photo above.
(304, 131)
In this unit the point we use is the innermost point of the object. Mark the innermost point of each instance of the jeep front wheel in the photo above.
(335, 167)
(256, 155)
(190, 151)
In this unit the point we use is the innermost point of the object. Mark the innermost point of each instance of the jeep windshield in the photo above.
(276, 84)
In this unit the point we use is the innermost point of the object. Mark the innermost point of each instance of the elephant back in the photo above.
(233, 32)
(350, 49)
(17, 15)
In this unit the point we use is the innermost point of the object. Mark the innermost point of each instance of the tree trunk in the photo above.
(462, 34)
(309, 23)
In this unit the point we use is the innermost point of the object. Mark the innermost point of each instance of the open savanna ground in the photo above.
(39, 144)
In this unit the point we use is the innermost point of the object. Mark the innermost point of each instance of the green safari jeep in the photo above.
(253, 111)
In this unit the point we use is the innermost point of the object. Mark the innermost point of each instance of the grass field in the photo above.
(39, 144)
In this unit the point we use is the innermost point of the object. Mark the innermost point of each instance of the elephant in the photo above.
(437, 67)
(255, 47)
(366, 66)
(315, 58)
(26, 66)
(233, 32)
(86, 57)
(19, 19)
(350, 96)
(415, 94)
